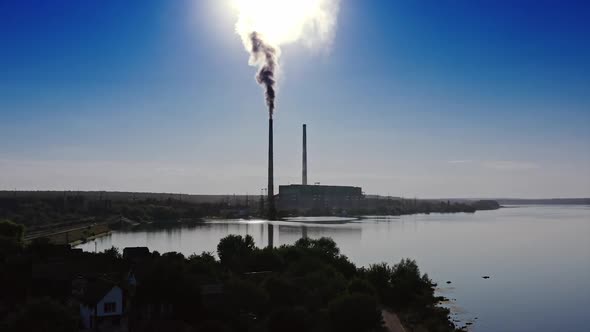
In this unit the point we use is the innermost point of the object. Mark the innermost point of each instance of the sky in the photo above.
(423, 98)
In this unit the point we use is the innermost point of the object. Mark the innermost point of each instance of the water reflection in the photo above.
(204, 237)
(271, 234)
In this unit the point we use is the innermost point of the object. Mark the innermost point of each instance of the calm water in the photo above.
(538, 257)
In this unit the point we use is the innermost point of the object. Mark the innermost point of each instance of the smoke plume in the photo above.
(266, 25)
(266, 58)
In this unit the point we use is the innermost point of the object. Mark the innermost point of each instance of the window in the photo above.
(110, 307)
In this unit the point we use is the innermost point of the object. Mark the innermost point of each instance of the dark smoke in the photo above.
(266, 72)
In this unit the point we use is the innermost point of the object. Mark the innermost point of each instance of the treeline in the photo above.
(67, 209)
(401, 206)
(35, 212)
(309, 286)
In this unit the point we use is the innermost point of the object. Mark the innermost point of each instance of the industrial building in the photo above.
(304, 198)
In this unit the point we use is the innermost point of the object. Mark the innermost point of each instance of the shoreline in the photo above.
(92, 238)
(72, 236)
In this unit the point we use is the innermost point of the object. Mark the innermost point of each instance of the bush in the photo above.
(289, 320)
(379, 275)
(355, 313)
(42, 315)
(233, 249)
(361, 286)
(12, 231)
(282, 291)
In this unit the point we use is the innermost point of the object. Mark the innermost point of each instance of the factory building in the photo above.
(304, 198)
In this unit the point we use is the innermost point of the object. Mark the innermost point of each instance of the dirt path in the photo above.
(392, 322)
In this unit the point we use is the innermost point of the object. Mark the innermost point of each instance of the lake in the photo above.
(537, 257)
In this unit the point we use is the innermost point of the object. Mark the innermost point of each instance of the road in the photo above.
(392, 322)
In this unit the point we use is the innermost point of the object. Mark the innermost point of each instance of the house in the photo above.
(101, 305)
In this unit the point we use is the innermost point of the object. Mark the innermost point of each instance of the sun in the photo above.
(282, 22)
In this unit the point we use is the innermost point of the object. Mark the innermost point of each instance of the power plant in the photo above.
(304, 198)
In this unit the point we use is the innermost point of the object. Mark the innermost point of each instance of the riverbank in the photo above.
(74, 236)
(44, 212)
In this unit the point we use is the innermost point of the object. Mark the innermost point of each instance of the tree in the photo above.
(324, 245)
(361, 286)
(12, 231)
(247, 296)
(379, 275)
(408, 286)
(355, 313)
(113, 253)
(234, 248)
(327, 246)
(11, 237)
(289, 320)
(42, 315)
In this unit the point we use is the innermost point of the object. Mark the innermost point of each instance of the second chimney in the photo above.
(304, 161)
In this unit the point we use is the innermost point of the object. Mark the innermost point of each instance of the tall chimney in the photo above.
(304, 161)
(270, 190)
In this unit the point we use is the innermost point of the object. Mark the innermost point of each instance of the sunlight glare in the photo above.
(282, 22)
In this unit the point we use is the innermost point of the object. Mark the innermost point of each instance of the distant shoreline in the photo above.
(550, 201)
(198, 198)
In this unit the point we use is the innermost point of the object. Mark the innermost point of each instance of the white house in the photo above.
(101, 304)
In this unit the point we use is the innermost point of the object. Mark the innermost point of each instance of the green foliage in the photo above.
(8, 247)
(204, 265)
(167, 281)
(113, 253)
(11, 237)
(42, 315)
(290, 319)
(233, 249)
(326, 250)
(355, 313)
(283, 292)
(37, 211)
(361, 286)
(266, 259)
(379, 275)
(12, 231)
(408, 286)
(401, 286)
(308, 286)
(165, 213)
(324, 245)
(247, 296)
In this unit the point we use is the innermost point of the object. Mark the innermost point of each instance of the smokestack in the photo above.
(270, 190)
(304, 161)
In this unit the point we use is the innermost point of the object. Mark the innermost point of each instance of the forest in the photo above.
(307, 286)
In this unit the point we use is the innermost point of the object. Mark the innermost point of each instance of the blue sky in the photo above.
(416, 98)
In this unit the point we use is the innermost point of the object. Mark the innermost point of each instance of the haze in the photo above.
(429, 100)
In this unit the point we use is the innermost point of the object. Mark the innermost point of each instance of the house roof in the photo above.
(136, 252)
(96, 291)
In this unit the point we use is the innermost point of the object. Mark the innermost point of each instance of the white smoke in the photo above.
(275, 23)
(281, 22)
